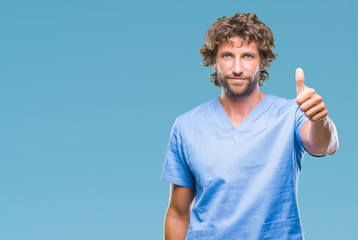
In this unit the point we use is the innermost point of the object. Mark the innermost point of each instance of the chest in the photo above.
(263, 149)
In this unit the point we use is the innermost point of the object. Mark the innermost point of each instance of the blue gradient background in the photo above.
(89, 91)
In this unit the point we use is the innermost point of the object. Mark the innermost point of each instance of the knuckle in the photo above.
(312, 91)
(321, 107)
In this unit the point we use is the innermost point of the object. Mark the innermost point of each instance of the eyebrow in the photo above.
(244, 53)
(224, 52)
(250, 53)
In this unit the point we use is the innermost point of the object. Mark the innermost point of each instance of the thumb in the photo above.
(300, 81)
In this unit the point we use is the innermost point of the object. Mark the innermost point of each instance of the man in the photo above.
(239, 155)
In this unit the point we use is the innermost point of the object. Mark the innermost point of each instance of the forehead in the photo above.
(236, 43)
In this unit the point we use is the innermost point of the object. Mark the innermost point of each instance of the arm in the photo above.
(320, 138)
(318, 135)
(178, 213)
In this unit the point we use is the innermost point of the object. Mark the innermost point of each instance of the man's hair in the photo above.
(248, 28)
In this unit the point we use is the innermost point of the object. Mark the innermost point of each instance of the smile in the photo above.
(238, 79)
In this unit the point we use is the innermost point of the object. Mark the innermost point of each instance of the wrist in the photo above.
(322, 121)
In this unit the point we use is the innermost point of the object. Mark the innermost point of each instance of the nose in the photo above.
(237, 66)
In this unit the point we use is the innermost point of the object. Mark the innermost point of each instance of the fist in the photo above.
(309, 101)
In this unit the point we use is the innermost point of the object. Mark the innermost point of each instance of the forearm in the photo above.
(175, 226)
(324, 137)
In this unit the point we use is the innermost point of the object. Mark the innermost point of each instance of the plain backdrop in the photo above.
(89, 91)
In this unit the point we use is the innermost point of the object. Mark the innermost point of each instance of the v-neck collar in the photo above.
(236, 133)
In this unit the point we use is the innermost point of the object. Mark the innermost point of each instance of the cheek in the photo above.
(224, 67)
(253, 69)
(220, 68)
(257, 71)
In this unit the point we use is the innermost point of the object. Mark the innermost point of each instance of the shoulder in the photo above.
(281, 107)
(282, 103)
(198, 113)
(287, 109)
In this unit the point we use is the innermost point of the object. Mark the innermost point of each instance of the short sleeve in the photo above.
(300, 120)
(175, 168)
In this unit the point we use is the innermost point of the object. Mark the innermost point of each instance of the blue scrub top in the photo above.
(246, 178)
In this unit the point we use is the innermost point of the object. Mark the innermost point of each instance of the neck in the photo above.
(237, 108)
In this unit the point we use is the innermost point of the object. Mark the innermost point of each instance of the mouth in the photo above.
(238, 79)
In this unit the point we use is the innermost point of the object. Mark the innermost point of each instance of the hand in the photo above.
(309, 101)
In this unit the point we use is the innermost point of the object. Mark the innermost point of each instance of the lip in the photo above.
(238, 79)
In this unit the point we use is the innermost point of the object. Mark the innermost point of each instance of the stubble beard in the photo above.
(238, 89)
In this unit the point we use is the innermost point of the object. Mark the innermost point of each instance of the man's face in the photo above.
(238, 67)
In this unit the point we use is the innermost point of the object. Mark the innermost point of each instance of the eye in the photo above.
(248, 56)
(225, 55)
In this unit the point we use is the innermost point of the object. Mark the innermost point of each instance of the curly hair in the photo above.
(248, 28)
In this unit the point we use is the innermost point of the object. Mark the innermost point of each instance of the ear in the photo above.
(214, 67)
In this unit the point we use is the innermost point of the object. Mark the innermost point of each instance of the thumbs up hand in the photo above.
(309, 101)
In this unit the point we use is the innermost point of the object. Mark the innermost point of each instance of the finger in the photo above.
(313, 101)
(319, 116)
(315, 110)
(300, 80)
(305, 96)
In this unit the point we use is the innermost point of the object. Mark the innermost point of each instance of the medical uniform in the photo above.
(246, 178)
